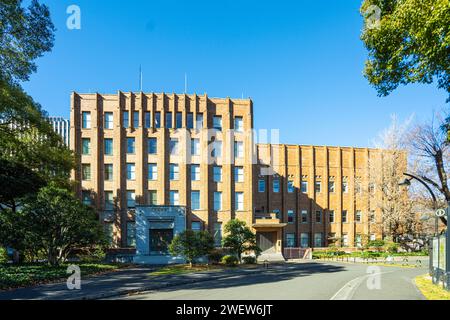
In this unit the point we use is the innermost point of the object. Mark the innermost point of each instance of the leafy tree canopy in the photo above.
(410, 44)
(240, 238)
(192, 244)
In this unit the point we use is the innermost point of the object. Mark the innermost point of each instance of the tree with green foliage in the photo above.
(240, 239)
(408, 42)
(192, 245)
(28, 144)
(53, 222)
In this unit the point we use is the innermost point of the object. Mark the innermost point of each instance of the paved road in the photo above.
(309, 280)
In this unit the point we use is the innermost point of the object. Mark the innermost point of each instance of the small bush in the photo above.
(249, 260)
(3, 256)
(392, 247)
(229, 260)
(96, 254)
(215, 256)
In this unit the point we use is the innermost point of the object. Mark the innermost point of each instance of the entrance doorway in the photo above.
(266, 241)
(160, 240)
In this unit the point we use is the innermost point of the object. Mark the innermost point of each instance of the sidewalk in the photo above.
(117, 283)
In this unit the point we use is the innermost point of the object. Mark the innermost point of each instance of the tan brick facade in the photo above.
(98, 124)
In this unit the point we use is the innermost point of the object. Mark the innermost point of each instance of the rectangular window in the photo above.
(108, 147)
(318, 240)
(199, 121)
(109, 120)
(217, 172)
(277, 213)
(109, 200)
(304, 240)
(195, 200)
(276, 185)
(108, 172)
(168, 120)
(157, 119)
(86, 172)
(147, 120)
(174, 173)
(291, 216)
(86, 146)
(304, 187)
(261, 185)
(372, 217)
(195, 172)
(126, 119)
(345, 187)
(196, 226)
(238, 124)
(358, 216)
(217, 201)
(318, 186)
(131, 145)
(218, 234)
(131, 171)
(290, 240)
(173, 147)
(195, 147)
(239, 174)
(152, 171)
(217, 149)
(304, 216)
(131, 234)
(239, 198)
(153, 197)
(239, 149)
(373, 237)
(152, 145)
(332, 218)
(136, 119)
(358, 241)
(190, 120)
(344, 216)
(131, 199)
(174, 198)
(331, 187)
(86, 120)
(345, 240)
(318, 216)
(217, 122)
(179, 120)
(86, 197)
(290, 186)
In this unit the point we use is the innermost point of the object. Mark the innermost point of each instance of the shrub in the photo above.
(96, 254)
(3, 256)
(392, 247)
(230, 260)
(249, 260)
(215, 256)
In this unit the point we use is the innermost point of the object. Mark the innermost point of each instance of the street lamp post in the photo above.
(407, 182)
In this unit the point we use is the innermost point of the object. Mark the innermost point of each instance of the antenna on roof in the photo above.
(140, 78)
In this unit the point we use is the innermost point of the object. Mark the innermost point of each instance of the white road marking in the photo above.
(348, 290)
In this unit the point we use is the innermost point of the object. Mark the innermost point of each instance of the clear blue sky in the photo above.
(300, 61)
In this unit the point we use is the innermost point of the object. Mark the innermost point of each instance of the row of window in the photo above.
(156, 121)
(318, 240)
(152, 147)
(174, 172)
(318, 216)
(174, 199)
(304, 186)
(131, 232)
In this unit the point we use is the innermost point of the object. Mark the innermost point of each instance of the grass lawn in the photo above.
(184, 268)
(17, 276)
(430, 290)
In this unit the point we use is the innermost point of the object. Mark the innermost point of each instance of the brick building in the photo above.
(199, 152)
